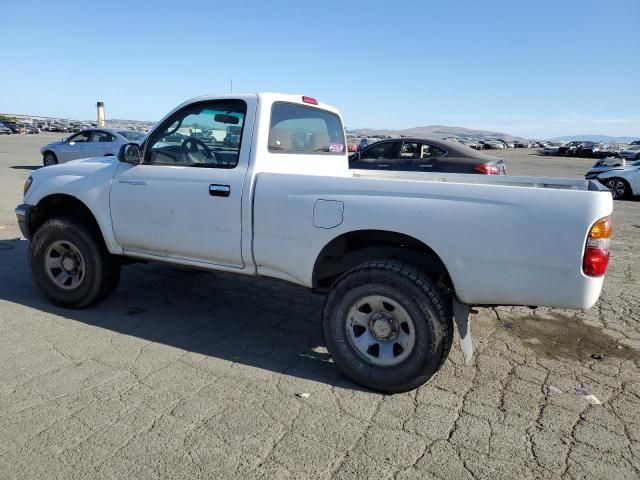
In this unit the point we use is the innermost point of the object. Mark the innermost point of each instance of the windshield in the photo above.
(131, 134)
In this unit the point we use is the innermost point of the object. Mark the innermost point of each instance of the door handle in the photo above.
(219, 190)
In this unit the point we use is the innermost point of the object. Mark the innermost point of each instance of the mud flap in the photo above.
(461, 316)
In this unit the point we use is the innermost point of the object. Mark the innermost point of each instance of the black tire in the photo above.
(618, 187)
(101, 269)
(412, 290)
(49, 158)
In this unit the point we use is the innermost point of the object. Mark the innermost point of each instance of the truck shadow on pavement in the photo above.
(260, 323)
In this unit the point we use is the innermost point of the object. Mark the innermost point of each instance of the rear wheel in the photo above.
(49, 158)
(386, 326)
(619, 188)
(70, 263)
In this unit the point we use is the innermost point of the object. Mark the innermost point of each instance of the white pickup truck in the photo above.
(400, 255)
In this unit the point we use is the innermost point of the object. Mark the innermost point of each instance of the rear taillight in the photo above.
(487, 169)
(596, 254)
(310, 100)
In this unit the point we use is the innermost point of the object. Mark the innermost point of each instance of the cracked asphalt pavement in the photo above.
(183, 374)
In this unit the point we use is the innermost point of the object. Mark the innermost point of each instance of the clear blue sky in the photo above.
(535, 68)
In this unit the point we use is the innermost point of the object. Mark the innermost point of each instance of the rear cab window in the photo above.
(300, 129)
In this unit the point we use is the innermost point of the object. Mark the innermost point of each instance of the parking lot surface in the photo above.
(182, 374)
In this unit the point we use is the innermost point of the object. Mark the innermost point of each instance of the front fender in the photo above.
(90, 184)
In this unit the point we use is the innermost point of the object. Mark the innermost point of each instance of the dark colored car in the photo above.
(584, 149)
(568, 149)
(425, 155)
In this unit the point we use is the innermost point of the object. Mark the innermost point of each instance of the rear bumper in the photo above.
(23, 214)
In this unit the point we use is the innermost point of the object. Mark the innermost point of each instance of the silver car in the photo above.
(94, 142)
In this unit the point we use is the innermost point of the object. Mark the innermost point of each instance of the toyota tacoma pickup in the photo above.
(401, 256)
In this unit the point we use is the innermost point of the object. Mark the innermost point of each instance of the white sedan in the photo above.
(97, 142)
(623, 181)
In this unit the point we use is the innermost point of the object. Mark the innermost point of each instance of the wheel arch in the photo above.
(61, 204)
(349, 249)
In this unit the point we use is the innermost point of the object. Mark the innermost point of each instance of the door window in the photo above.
(199, 136)
(410, 151)
(80, 138)
(101, 137)
(381, 151)
(431, 151)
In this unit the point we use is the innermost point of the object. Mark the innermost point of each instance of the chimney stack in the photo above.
(100, 106)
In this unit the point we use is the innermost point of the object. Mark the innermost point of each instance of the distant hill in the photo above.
(436, 131)
(595, 138)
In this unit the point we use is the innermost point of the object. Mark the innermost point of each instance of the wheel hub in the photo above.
(383, 326)
(69, 263)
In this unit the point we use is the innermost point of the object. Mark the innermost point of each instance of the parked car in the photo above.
(472, 144)
(5, 130)
(568, 149)
(589, 150)
(425, 155)
(632, 152)
(88, 143)
(622, 178)
(551, 148)
(16, 128)
(31, 129)
(580, 148)
(635, 142)
(492, 145)
(399, 258)
(232, 137)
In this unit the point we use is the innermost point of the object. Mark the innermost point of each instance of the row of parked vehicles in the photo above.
(22, 128)
(11, 128)
(586, 149)
(355, 143)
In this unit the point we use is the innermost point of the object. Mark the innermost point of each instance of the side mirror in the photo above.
(130, 153)
(64, 140)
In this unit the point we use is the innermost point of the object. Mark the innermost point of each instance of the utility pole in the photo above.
(231, 85)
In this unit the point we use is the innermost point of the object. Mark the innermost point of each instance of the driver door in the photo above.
(184, 201)
(74, 147)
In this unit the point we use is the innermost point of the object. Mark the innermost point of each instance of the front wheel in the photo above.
(70, 263)
(619, 188)
(49, 158)
(386, 326)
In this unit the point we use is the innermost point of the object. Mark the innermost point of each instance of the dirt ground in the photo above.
(197, 375)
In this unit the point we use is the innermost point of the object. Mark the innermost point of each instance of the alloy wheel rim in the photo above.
(48, 159)
(617, 188)
(380, 330)
(64, 265)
